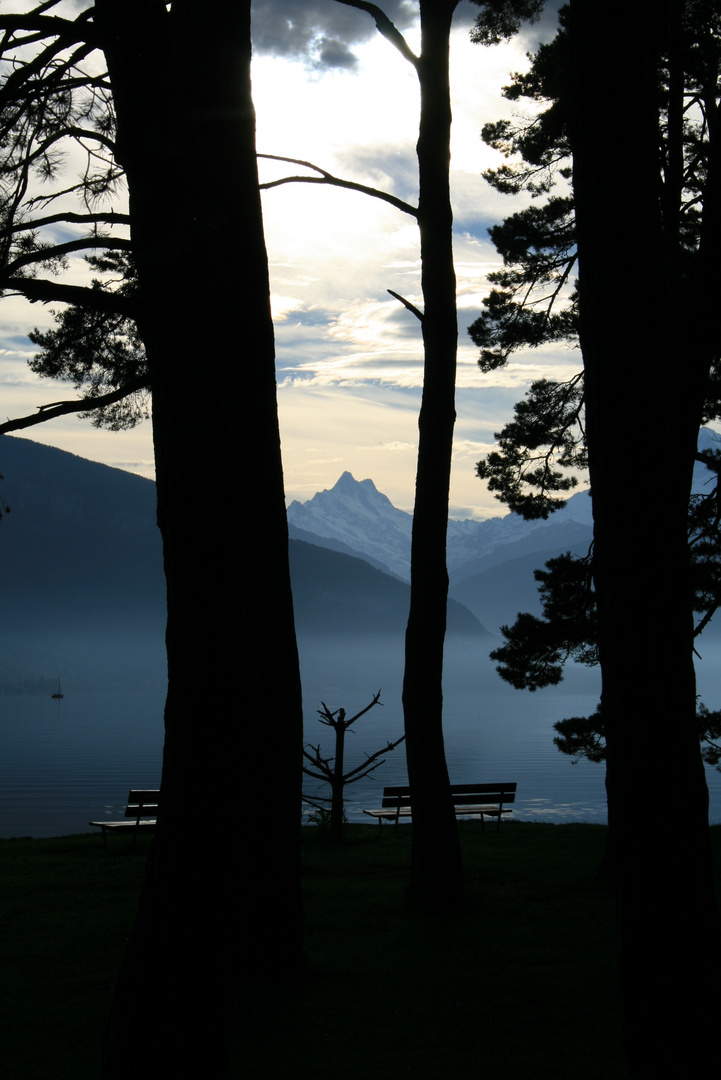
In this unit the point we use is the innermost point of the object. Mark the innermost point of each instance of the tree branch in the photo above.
(65, 34)
(385, 27)
(67, 31)
(65, 408)
(370, 758)
(79, 134)
(407, 304)
(376, 701)
(328, 178)
(59, 251)
(41, 290)
(71, 218)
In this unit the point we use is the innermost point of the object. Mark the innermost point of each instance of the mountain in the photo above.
(490, 563)
(294, 533)
(82, 584)
(334, 593)
(357, 515)
(81, 571)
(79, 537)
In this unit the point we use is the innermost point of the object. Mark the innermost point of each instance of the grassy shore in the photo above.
(523, 985)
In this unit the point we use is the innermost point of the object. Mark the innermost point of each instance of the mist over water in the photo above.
(83, 594)
(492, 733)
(64, 763)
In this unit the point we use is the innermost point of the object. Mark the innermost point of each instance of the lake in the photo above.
(66, 762)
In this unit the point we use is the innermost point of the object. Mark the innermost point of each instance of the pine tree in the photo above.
(649, 347)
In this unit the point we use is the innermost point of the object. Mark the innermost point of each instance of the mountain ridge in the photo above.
(81, 576)
(80, 553)
(355, 513)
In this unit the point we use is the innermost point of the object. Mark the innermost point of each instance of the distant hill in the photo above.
(500, 584)
(337, 593)
(80, 541)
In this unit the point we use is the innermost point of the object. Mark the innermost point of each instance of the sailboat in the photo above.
(58, 693)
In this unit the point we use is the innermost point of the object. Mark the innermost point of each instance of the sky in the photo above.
(330, 90)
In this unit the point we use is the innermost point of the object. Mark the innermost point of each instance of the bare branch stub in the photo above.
(387, 28)
(407, 304)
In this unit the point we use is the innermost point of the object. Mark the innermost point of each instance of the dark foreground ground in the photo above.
(523, 986)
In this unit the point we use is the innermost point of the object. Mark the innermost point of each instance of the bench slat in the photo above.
(146, 823)
(405, 811)
(493, 796)
(144, 810)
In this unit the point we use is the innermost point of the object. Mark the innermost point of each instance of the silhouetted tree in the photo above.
(653, 354)
(220, 912)
(534, 300)
(536, 649)
(330, 769)
(437, 872)
(437, 876)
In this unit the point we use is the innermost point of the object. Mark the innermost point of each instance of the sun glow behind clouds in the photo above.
(349, 355)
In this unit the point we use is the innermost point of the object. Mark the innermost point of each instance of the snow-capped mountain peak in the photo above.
(356, 513)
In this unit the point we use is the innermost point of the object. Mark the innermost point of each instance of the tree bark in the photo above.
(220, 909)
(335, 830)
(638, 362)
(437, 871)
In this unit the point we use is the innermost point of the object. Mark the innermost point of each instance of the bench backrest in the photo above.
(461, 794)
(467, 794)
(142, 804)
(396, 796)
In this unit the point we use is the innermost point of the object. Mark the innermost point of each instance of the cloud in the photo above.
(333, 54)
(322, 33)
(392, 167)
(392, 447)
(545, 29)
(329, 89)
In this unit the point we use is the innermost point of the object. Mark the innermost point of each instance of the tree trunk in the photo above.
(437, 872)
(335, 830)
(638, 363)
(221, 907)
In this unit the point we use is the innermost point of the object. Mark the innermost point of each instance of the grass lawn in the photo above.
(522, 985)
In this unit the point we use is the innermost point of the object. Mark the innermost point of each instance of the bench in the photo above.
(472, 800)
(140, 815)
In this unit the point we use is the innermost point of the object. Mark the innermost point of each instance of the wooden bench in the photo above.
(140, 815)
(472, 800)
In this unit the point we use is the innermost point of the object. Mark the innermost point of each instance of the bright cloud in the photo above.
(330, 91)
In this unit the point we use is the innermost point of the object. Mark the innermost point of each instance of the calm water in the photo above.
(65, 763)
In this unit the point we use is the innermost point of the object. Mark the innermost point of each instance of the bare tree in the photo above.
(330, 768)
